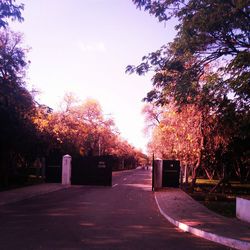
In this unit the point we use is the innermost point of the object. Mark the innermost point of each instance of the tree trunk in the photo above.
(209, 175)
(224, 181)
(194, 173)
(198, 163)
(217, 185)
(186, 174)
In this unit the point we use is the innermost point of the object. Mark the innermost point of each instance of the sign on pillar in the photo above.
(66, 170)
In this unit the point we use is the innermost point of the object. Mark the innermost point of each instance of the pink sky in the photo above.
(84, 46)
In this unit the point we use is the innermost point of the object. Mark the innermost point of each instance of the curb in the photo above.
(237, 244)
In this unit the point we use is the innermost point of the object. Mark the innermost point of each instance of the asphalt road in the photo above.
(124, 216)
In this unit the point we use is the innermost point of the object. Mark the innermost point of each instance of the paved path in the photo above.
(181, 210)
(124, 216)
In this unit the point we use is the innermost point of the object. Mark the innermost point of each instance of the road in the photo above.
(123, 216)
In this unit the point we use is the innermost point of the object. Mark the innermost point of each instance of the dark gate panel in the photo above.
(170, 173)
(92, 170)
(53, 169)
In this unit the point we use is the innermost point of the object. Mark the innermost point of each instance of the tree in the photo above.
(80, 128)
(207, 65)
(208, 31)
(97, 128)
(178, 136)
(10, 10)
(17, 107)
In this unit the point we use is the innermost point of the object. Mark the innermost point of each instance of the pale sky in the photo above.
(84, 46)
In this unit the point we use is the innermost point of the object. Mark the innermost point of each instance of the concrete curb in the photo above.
(237, 244)
(34, 194)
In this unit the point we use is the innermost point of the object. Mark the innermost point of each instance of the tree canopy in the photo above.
(10, 10)
(208, 32)
(206, 68)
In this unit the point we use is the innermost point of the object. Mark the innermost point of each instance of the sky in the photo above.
(84, 46)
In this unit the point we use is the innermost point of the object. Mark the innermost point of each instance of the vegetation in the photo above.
(199, 103)
(10, 10)
(220, 201)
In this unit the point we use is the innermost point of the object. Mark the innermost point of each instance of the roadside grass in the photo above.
(206, 182)
(225, 208)
(235, 184)
(223, 203)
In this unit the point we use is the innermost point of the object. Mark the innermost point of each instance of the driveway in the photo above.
(123, 216)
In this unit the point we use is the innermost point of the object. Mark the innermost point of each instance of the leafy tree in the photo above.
(207, 64)
(16, 107)
(208, 31)
(10, 10)
(178, 136)
(79, 127)
(96, 127)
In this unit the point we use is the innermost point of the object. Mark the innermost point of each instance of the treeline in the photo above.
(199, 103)
(30, 130)
(207, 144)
(81, 128)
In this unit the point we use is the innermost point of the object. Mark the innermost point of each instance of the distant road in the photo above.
(124, 216)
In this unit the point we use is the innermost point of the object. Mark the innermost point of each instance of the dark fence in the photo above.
(87, 170)
(170, 173)
(92, 170)
(53, 168)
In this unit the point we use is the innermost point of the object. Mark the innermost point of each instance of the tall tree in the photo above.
(10, 10)
(178, 136)
(16, 105)
(207, 64)
(208, 31)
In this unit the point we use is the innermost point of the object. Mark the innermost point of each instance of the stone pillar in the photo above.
(158, 174)
(66, 170)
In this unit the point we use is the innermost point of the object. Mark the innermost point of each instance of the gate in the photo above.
(92, 170)
(170, 173)
(53, 169)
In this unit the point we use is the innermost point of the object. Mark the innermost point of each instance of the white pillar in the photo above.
(158, 173)
(66, 170)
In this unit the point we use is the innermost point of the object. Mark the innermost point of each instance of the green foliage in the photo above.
(10, 10)
(208, 31)
(207, 65)
(17, 131)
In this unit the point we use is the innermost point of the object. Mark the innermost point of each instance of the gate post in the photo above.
(66, 170)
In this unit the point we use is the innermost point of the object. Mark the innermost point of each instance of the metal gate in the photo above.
(92, 170)
(170, 173)
(53, 169)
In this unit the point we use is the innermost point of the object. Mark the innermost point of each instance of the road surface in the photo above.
(123, 216)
